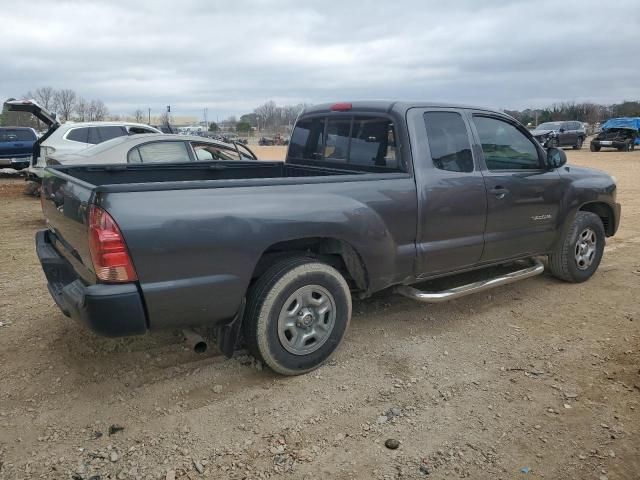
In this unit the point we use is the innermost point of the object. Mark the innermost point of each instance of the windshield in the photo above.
(549, 126)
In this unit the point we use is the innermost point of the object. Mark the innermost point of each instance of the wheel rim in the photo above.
(585, 251)
(306, 320)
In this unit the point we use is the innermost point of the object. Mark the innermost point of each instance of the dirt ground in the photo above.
(539, 379)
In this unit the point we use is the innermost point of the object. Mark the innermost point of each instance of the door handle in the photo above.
(499, 192)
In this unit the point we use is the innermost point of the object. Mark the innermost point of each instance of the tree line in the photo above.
(65, 103)
(584, 112)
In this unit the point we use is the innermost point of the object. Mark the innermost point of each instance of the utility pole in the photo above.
(149, 115)
(206, 123)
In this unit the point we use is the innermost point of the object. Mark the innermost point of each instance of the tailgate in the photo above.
(65, 204)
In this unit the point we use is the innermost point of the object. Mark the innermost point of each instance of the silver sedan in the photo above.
(156, 148)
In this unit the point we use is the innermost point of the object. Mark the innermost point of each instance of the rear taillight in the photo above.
(109, 254)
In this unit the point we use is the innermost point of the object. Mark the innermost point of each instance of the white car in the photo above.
(70, 137)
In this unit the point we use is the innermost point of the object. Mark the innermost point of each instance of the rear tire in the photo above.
(297, 314)
(578, 144)
(577, 258)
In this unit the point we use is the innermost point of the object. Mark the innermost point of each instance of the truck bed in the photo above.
(159, 176)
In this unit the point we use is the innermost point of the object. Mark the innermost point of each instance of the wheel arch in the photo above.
(336, 252)
(602, 210)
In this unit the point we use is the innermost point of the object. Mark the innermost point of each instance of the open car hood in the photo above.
(31, 106)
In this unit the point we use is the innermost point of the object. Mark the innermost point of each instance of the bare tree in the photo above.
(266, 114)
(82, 109)
(97, 111)
(165, 118)
(66, 102)
(45, 96)
(138, 116)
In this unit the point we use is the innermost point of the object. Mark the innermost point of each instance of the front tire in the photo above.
(577, 258)
(297, 314)
(594, 148)
(553, 143)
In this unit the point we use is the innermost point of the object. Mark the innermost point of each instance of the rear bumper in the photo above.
(15, 162)
(112, 310)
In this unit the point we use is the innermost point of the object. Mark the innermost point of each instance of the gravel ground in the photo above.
(539, 379)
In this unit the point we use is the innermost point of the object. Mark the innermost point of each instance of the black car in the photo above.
(560, 134)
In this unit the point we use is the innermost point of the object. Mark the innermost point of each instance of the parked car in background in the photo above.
(70, 137)
(16, 146)
(560, 134)
(277, 139)
(154, 148)
(620, 133)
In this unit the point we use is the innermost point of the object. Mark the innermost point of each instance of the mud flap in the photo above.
(229, 333)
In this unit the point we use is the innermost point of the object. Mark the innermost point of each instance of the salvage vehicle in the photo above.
(620, 133)
(69, 137)
(16, 145)
(155, 148)
(561, 134)
(372, 195)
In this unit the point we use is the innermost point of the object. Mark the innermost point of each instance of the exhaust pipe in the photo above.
(197, 341)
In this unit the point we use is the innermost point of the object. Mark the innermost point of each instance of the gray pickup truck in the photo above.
(372, 195)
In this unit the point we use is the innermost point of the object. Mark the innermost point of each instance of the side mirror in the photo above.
(556, 157)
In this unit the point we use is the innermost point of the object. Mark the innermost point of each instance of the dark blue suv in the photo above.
(16, 146)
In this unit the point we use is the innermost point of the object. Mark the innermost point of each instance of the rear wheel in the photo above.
(594, 148)
(578, 144)
(577, 258)
(297, 314)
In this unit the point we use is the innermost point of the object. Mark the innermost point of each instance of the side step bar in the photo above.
(438, 297)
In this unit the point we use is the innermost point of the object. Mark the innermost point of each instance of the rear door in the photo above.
(451, 193)
(523, 196)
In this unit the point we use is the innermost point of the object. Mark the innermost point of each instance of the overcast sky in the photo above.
(232, 56)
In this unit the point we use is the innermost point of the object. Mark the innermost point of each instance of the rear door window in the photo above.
(448, 141)
(94, 136)
(78, 135)
(111, 131)
(164, 152)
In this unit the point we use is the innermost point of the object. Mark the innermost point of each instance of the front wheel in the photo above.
(553, 143)
(594, 148)
(297, 314)
(577, 258)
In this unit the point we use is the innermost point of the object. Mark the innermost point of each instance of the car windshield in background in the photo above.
(549, 126)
